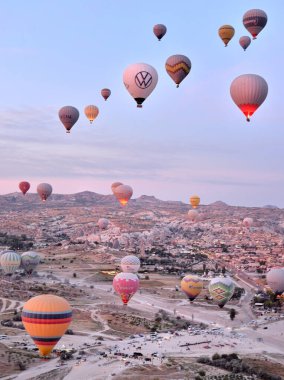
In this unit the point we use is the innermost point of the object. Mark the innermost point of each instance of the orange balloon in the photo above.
(46, 318)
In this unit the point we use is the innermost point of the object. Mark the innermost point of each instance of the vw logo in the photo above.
(143, 79)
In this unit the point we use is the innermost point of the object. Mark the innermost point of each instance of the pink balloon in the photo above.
(126, 285)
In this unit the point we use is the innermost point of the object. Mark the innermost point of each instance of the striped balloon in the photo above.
(178, 67)
(91, 112)
(29, 261)
(191, 285)
(221, 290)
(44, 190)
(130, 264)
(254, 21)
(46, 318)
(249, 91)
(226, 33)
(10, 261)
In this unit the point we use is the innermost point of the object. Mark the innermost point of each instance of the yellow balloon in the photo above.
(191, 285)
(226, 33)
(194, 201)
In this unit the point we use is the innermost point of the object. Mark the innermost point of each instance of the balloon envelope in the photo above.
(140, 79)
(254, 21)
(178, 67)
(275, 279)
(249, 91)
(10, 261)
(46, 318)
(29, 261)
(226, 33)
(191, 285)
(245, 41)
(192, 215)
(123, 193)
(248, 222)
(68, 116)
(105, 92)
(115, 185)
(221, 290)
(24, 186)
(91, 112)
(159, 30)
(126, 285)
(44, 191)
(130, 264)
(194, 201)
(103, 223)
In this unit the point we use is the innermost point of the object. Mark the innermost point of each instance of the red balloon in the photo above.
(105, 92)
(24, 186)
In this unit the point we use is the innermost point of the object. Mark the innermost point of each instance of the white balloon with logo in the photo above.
(140, 79)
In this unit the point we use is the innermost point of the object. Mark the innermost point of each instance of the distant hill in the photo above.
(270, 206)
(219, 204)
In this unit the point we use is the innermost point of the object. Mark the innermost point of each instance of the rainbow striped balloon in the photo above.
(46, 318)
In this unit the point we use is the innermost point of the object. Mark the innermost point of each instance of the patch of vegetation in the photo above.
(236, 365)
(15, 242)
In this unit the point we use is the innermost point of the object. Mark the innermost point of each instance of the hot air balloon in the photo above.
(159, 30)
(126, 285)
(191, 285)
(44, 191)
(130, 264)
(248, 222)
(178, 67)
(105, 92)
(68, 116)
(254, 21)
(24, 186)
(103, 223)
(245, 41)
(193, 215)
(221, 290)
(249, 91)
(226, 33)
(29, 261)
(91, 112)
(123, 193)
(140, 79)
(275, 280)
(115, 185)
(46, 318)
(194, 201)
(10, 261)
